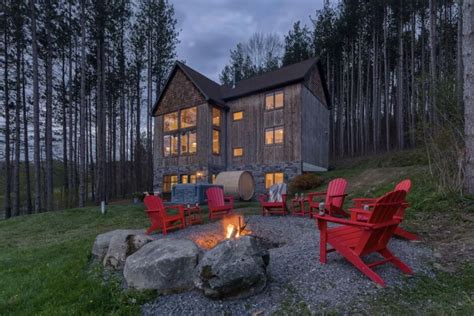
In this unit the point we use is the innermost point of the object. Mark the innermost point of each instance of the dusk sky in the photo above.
(211, 28)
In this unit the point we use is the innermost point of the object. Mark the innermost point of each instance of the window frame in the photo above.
(219, 123)
(273, 95)
(273, 129)
(170, 182)
(178, 133)
(218, 141)
(272, 174)
(237, 148)
(240, 119)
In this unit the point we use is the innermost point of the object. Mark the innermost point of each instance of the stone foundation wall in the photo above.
(290, 170)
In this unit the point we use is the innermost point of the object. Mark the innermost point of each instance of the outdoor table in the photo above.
(298, 207)
(192, 214)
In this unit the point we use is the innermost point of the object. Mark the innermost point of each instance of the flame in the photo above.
(230, 230)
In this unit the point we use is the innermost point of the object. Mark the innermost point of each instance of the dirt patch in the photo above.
(373, 178)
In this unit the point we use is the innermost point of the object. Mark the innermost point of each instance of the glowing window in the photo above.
(274, 135)
(216, 116)
(237, 116)
(188, 117)
(273, 178)
(238, 152)
(274, 100)
(170, 121)
(216, 143)
(184, 143)
(192, 142)
(168, 182)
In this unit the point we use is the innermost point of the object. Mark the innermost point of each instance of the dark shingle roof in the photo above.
(218, 94)
(273, 79)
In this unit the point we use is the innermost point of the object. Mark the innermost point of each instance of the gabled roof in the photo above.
(219, 94)
(273, 79)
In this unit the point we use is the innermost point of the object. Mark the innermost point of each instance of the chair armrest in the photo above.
(359, 201)
(152, 211)
(356, 211)
(338, 195)
(283, 198)
(331, 219)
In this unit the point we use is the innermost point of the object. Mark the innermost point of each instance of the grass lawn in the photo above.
(45, 258)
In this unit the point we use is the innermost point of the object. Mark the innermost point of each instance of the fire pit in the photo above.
(234, 226)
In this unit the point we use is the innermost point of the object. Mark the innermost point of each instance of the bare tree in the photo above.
(468, 62)
(7, 199)
(82, 116)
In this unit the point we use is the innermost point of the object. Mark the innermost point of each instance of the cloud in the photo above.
(209, 29)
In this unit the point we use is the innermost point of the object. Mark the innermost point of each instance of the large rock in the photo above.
(166, 265)
(235, 268)
(112, 248)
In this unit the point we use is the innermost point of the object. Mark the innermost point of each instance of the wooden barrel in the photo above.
(239, 183)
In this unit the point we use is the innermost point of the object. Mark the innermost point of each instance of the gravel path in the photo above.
(295, 273)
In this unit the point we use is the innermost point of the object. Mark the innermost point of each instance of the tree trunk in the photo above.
(468, 62)
(29, 208)
(49, 113)
(386, 81)
(36, 114)
(16, 169)
(7, 198)
(400, 110)
(433, 109)
(82, 117)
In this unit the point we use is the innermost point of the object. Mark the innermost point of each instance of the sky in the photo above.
(209, 29)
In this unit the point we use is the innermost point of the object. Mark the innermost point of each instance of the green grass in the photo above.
(46, 269)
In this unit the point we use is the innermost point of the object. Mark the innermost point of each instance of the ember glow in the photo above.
(234, 226)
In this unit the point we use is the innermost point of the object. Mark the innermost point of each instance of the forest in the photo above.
(79, 79)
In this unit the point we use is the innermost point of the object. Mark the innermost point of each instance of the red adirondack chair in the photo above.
(359, 214)
(354, 239)
(275, 207)
(334, 198)
(216, 202)
(159, 218)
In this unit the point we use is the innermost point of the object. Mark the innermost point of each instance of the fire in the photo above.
(233, 226)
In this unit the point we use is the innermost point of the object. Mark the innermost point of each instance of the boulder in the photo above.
(166, 265)
(235, 268)
(121, 246)
(123, 241)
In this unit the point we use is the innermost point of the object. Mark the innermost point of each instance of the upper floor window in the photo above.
(216, 142)
(274, 100)
(188, 117)
(171, 121)
(216, 116)
(274, 135)
(188, 142)
(237, 116)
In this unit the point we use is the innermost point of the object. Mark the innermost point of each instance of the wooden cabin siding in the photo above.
(315, 85)
(249, 133)
(180, 93)
(315, 130)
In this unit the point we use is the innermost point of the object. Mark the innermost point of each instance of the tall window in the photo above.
(171, 121)
(274, 135)
(174, 122)
(274, 100)
(188, 142)
(216, 142)
(170, 145)
(189, 117)
(169, 181)
(272, 178)
(216, 116)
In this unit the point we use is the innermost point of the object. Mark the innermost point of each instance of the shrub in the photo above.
(305, 182)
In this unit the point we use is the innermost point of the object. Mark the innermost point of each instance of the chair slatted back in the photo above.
(215, 197)
(384, 210)
(336, 187)
(154, 203)
(404, 185)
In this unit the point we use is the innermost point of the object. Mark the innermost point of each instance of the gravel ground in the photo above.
(295, 273)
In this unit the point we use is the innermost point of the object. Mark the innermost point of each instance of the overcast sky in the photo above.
(210, 28)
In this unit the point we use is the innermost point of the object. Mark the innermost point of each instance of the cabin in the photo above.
(274, 125)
